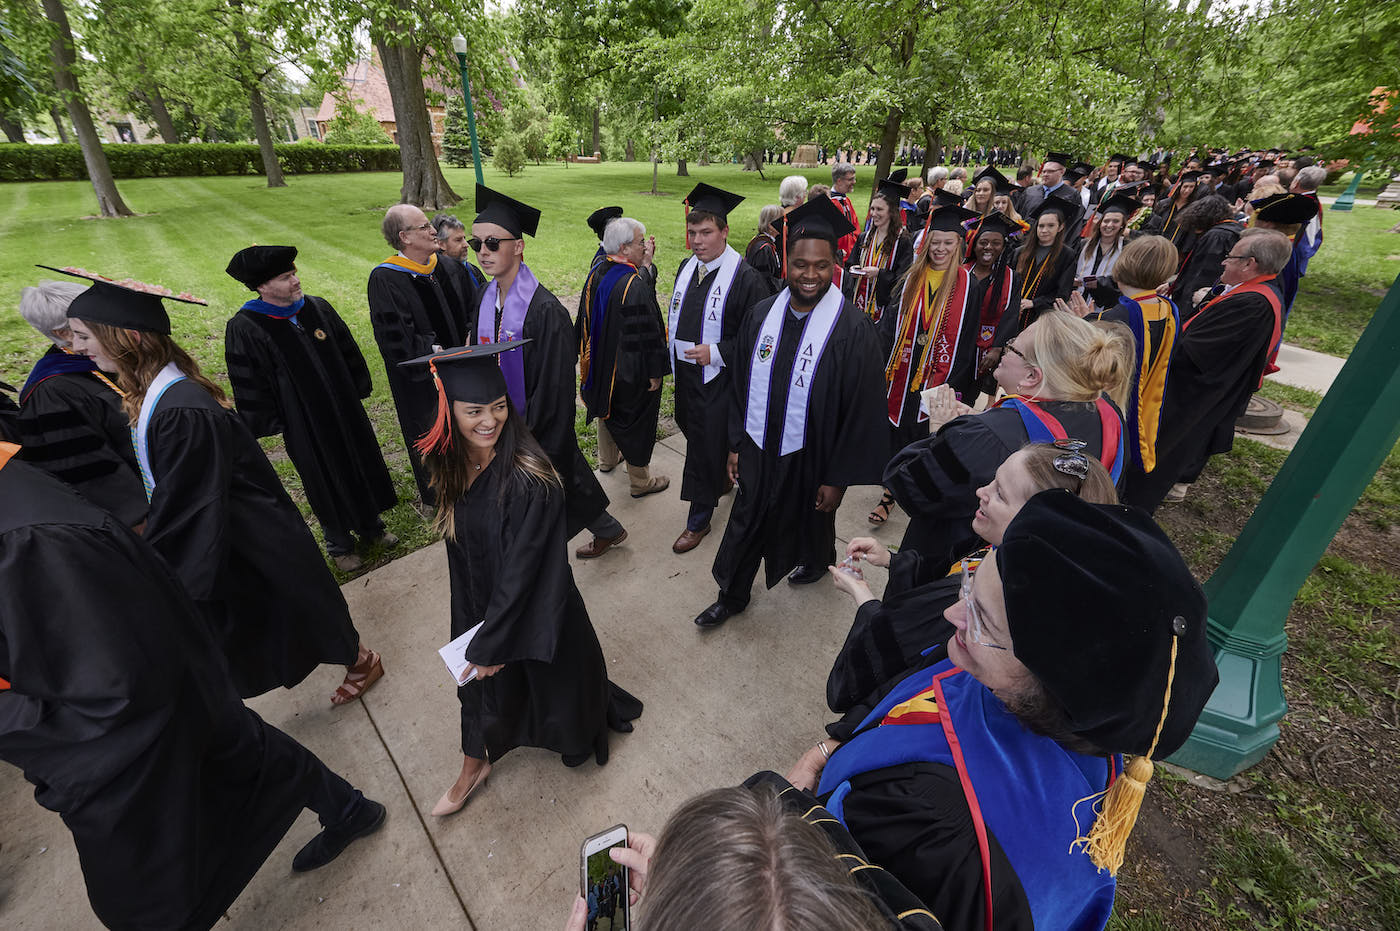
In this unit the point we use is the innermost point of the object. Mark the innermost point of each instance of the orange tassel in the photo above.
(439, 437)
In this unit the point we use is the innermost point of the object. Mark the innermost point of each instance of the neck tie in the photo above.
(700, 272)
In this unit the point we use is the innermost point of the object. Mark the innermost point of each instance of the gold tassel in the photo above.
(1108, 838)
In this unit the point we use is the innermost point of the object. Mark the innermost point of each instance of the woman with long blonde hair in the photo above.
(533, 673)
(932, 340)
(218, 513)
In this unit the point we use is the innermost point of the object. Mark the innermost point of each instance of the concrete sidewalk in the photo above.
(1300, 368)
(719, 706)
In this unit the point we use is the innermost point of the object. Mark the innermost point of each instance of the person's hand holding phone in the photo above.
(636, 858)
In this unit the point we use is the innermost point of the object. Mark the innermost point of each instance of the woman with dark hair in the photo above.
(1166, 213)
(536, 675)
(218, 513)
(1212, 219)
(1094, 273)
(1045, 265)
(995, 294)
(881, 255)
(990, 780)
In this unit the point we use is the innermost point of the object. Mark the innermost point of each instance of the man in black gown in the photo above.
(70, 416)
(1217, 363)
(714, 293)
(296, 370)
(1052, 184)
(417, 304)
(131, 729)
(805, 419)
(622, 354)
(540, 375)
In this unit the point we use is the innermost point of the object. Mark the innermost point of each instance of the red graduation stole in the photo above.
(935, 342)
(1252, 286)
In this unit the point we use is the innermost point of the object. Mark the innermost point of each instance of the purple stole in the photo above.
(512, 326)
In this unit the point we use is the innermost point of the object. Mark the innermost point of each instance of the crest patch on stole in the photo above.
(765, 349)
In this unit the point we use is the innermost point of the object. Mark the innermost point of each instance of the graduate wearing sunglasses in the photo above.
(540, 375)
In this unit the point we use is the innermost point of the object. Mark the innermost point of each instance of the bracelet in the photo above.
(826, 754)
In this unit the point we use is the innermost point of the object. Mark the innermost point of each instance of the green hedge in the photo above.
(22, 162)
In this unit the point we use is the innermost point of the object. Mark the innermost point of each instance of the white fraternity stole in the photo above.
(804, 368)
(712, 323)
(163, 380)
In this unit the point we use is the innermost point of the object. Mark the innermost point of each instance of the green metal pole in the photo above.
(471, 115)
(1348, 197)
(1354, 429)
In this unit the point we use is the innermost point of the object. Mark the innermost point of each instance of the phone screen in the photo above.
(605, 883)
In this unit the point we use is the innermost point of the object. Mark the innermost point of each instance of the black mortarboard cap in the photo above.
(598, 219)
(711, 199)
(131, 305)
(1084, 168)
(1191, 175)
(1146, 166)
(1134, 190)
(999, 181)
(942, 198)
(1073, 174)
(892, 191)
(950, 219)
(1061, 157)
(495, 207)
(1120, 202)
(469, 373)
(1266, 163)
(1120, 158)
(256, 264)
(898, 175)
(1284, 208)
(996, 222)
(1069, 211)
(1102, 646)
(819, 218)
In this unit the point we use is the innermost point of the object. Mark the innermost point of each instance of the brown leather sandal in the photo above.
(368, 669)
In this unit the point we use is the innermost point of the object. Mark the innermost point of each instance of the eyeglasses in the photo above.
(424, 228)
(1071, 461)
(974, 619)
(492, 243)
(1238, 258)
(1023, 356)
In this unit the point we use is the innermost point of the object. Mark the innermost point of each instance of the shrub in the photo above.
(351, 127)
(23, 162)
(510, 154)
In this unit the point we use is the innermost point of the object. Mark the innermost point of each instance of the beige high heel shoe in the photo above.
(449, 806)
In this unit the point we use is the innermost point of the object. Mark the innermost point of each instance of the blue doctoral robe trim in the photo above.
(601, 295)
(58, 363)
(1026, 787)
(259, 306)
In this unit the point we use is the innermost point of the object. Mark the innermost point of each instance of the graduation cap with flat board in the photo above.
(1068, 211)
(1000, 183)
(1120, 158)
(950, 219)
(891, 191)
(711, 199)
(128, 304)
(995, 222)
(598, 220)
(819, 218)
(515, 217)
(468, 373)
(898, 176)
(1284, 208)
(1060, 158)
(1120, 203)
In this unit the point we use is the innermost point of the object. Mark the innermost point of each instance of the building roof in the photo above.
(368, 89)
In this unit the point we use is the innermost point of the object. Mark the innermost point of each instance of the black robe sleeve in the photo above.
(191, 451)
(1206, 263)
(349, 349)
(886, 280)
(857, 427)
(550, 386)
(252, 374)
(1060, 285)
(938, 477)
(749, 289)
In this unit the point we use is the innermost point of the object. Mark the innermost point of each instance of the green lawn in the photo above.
(1346, 280)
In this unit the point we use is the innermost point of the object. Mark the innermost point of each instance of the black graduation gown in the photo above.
(305, 380)
(73, 426)
(123, 717)
(936, 479)
(773, 516)
(411, 314)
(509, 567)
(550, 392)
(1215, 367)
(9, 414)
(702, 410)
(223, 521)
(886, 278)
(890, 634)
(762, 254)
(1055, 284)
(631, 350)
(1206, 260)
(913, 820)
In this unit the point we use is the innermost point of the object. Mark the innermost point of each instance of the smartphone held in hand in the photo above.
(604, 882)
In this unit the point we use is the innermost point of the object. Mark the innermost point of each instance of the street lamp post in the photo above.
(459, 44)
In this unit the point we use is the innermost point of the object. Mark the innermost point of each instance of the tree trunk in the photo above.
(681, 171)
(656, 117)
(631, 154)
(150, 92)
(56, 114)
(423, 183)
(264, 136)
(597, 134)
(889, 138)
(933, 142)
(109, 201)
(14, 132)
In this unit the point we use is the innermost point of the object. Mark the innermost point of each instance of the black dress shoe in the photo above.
(367, 818)
(575, 759)
(715, 615)
(806, 575)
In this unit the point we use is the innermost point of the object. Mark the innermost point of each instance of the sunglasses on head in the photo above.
(492, 243)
